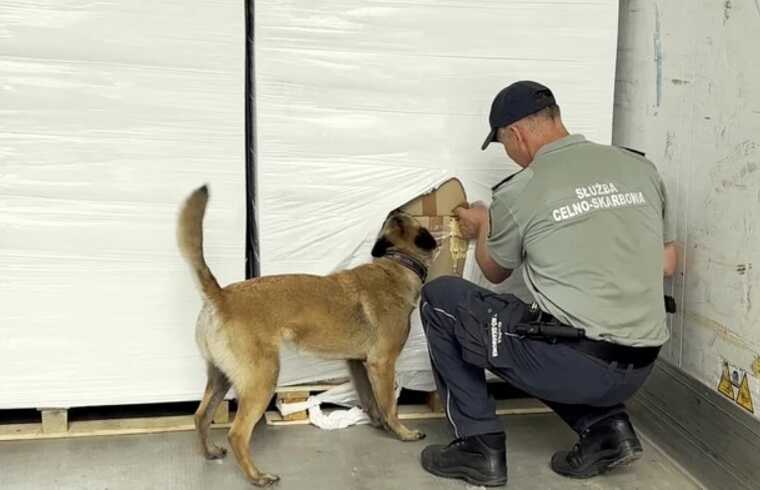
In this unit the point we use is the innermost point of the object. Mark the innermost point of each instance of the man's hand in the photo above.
(474, 224)
(472, 219)
(671, 259)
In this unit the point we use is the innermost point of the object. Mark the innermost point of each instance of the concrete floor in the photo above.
(358, 458)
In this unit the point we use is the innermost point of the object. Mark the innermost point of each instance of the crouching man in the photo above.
(587, 224)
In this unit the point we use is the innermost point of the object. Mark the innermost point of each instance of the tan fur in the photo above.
(190, 240)
(360, 315)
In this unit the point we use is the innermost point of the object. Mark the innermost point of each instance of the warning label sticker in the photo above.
(725, 386)
(744, 397)
(735, 384)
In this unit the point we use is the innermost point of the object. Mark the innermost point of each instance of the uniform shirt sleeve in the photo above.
(668, 227)
(505, 238)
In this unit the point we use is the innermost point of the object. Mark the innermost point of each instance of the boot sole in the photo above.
(464, 473)
(631, 452)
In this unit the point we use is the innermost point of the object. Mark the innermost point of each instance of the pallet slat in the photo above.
(517, 406)
(111, 427)
(301, 393)
(309, 388)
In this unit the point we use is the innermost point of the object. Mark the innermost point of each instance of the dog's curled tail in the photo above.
(190, 241)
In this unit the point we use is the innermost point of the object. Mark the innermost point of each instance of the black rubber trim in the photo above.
(252, 260)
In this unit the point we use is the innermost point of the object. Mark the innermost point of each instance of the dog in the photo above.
(361, 315)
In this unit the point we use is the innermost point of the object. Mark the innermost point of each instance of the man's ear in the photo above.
(514, 131)
(381, 247)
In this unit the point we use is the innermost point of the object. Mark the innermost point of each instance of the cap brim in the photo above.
(489, 139)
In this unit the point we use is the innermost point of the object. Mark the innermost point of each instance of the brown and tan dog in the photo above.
(361, 315)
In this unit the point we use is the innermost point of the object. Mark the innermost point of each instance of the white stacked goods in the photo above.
(112, 112)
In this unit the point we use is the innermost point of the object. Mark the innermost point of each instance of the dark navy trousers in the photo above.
(468, 331)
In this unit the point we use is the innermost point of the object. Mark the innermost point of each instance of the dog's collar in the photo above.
(410, 263)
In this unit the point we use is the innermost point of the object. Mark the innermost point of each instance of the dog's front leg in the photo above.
(382, 375)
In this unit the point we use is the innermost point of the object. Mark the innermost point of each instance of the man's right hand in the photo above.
(472, 219)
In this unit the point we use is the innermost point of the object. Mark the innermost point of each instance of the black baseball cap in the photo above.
(519, 100)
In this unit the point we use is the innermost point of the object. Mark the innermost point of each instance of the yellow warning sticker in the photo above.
(725, 386)
(756, 367)
(744, 398)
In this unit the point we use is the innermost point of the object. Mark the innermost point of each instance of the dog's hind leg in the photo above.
(382, 374)
(364, 390)
(254, 395)
(217, 385)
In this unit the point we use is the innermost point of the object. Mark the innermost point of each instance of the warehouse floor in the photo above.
(358, 458)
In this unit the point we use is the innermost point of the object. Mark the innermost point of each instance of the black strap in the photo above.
(670, 304)
(544, 326)
(638, 152)
(623, 355)
(409, 262)
(504, 181)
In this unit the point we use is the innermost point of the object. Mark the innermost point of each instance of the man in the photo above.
(586, 223)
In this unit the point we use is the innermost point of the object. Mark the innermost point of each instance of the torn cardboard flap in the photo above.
(435, 211)
(440, 201)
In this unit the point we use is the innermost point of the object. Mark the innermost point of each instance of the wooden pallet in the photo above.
(301, 393)
(54, 424)
(295, 394)
(515, 406)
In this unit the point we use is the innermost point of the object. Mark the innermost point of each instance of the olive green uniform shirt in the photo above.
(588, 222)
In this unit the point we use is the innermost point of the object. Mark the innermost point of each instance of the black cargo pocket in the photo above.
(495, 316)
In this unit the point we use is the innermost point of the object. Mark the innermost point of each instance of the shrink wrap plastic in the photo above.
(363, 105)
(112, 112)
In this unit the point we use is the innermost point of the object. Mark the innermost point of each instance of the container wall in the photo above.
(688, 94)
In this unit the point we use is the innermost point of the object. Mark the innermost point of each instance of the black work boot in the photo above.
(605, 445)
(478, 460)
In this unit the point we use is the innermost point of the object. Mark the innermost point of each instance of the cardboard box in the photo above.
(435, 211)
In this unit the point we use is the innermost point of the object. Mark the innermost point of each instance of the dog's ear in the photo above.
(398, 223)
(381, 247)
(425, 240)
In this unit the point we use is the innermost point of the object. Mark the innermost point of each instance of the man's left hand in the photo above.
(472, 219)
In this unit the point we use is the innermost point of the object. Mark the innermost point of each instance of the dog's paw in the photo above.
(215, 452)
(265, 480)
(412, 435)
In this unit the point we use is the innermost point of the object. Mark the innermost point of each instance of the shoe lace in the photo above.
(576, 449)
(455, 442)
(575, 454)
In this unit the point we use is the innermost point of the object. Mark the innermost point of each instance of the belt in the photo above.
(623, 355)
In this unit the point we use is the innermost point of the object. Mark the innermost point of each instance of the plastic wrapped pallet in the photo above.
(363, 105)
(112, 112)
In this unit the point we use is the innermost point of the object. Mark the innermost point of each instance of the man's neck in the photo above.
(555, 134)
(550, 136)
